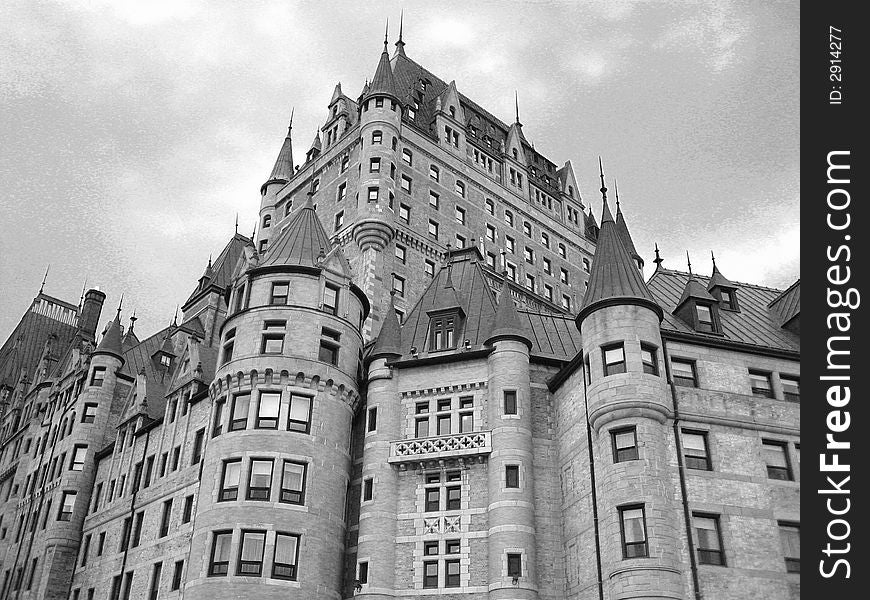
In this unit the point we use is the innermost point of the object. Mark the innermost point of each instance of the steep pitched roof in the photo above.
(111, 342)
(389, 341)
(506, 323)
(614, 275)
(303, 241)
(552, 335)
(223, 267)
(625, 236)
(694, 290)
(22, 350)
(757, 323)
(788, 304)
(283, 169)
(718, 280)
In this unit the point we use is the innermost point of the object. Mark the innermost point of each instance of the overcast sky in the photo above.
(133, 132)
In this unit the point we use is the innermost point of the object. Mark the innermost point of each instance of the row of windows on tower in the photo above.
(297, 412)
(707, 532)
(272, 340)
(696, 451)
(251, 547)
(260, 471)
(684, 372)
(279, 295)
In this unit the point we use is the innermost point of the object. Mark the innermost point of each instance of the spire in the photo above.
(237, 223)
(130, 338)
(400, 44)
(386, 34)
(615, 279)
(389, 342)
(383, 83)
(517, 103)
(316, 144)
(44, 278)
(689, 262)
(506, 323)
(282, 172)
(659, 260)
(718, 279)
(606, 215)
(111, 342)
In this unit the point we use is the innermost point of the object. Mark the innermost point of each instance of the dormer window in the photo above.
(727, 298)
(166, 360)
(705, 318)
(443, 332)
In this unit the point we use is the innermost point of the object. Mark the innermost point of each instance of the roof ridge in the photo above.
(741, 283)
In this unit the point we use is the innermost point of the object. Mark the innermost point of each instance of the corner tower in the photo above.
(628, 405)
(277, 463)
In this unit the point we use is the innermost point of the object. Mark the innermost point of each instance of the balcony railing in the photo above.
(473, 444)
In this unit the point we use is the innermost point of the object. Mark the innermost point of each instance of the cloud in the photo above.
(712, 32)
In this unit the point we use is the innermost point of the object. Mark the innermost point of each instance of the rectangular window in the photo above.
(443, 329)
(563, 275)
(260, 479)
(514, 564)
(128, 584)
(98, 376)
(86, 546)
(649, 357)
(760, 382)
(286, 556)
(67, 505)
(586, 266)
(101, 543)
(695, 452)
(443, 422)
(273, 337)
(342, 192)
(375, 165)
(401, 253)
(300, 414)
(614, 359)
(372, 419)
(624, 444)
(433, 172)
(459, 215)
(280, 293)
(434, 200)
(451, 573)
(529, 255)
(399, 285)
(293, 483)
(267, 412)
(708, 538)
(429, 268)
(368, 489)
(115, 593)
(406, 184)
(227, 356)
(377, 136)
(790, 539)
(454, 498)
(251, 553)
(430, 574)
(705, 318)
(89, 415)
(78, 458)
(405, 213)
(421, 427)
(489, 205)
(776, 458)
(126, 530)
(198, 439)
(373, 194)
(791, 388)
(510, 402)
(176, 456)
(509, 244)
(460, 241)
(338, 223)
(633, 529)
(241, 405)
(154, 590)
(466, 422)
(490, 233)
(407, 156)
(230, 480)
(512, 476)
(433, 499)
(530, 282)
(490, 260)
(187, 512)
(221, 547)
(217, 420)
(165, 517)
(433, 229)
(177, 572)
(149, 470)
(683, 372)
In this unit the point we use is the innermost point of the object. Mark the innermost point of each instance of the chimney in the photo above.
(90, 314)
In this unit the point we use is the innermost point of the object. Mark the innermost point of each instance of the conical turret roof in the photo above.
(302, 243)
(389, 342)
(283, 169)
(614, 275)
(506, 323)
(317, 144)
(625, 236)
(383, 83)
(111, 342)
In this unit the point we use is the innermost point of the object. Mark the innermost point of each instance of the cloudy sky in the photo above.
(133, 132)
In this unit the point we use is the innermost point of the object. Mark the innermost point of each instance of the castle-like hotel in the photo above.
(431, 373)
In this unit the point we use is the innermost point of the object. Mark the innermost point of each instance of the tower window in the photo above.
(368, 489)
(512, 476)
(280, 293)
(514, 564)
(67, 505)
(286, 556)
(89, 414)
(330, 298)
(241, 404)
(260, 479)
(624, 444)
(649, 358)
(221, 547)
(293, 483)
(300, 414)
(251, 553)
(273, 337)
(328, 347)
(98, 376)
(632, 521)
(267, 411)
(372, 421)
(377, 136)
(614, 359)
(230, 480)
(373, 194)
(375, 165)
(709, 539)
(443, 329)
(695, 452)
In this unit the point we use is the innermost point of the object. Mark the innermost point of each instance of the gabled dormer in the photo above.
(446, 317)
(698, 309)
(450, 119)
(316, 148)
(164, 357)
(723, 290)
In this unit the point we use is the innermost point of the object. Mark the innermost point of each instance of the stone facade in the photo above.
(288, 440)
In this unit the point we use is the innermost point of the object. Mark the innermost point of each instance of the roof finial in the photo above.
(120, 304)
(44, 278)
(400, 42)
(132, 321)
(616, 191)
(689, 261)
(82, 298)
(659, 260)
(601, 174)
(517, 104)
(290, 127)
(713, 256)
(237, 223)
(175, 318)
(386, 34)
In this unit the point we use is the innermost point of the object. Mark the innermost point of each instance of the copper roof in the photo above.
(111, 342)
(718, 279)
(788, 304)
(389, 341)
(506, 322)
(383, 82)
(223, 267)
(301, 243)
(756, 324)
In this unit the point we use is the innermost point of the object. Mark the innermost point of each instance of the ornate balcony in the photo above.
(473, 445)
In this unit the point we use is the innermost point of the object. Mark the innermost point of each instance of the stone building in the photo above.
(461, 387)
